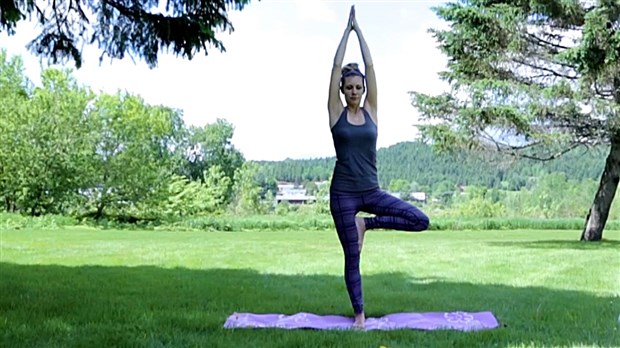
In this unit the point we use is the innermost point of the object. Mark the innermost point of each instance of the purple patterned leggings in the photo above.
(390, 213)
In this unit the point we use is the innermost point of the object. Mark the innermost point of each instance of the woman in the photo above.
(354, 186)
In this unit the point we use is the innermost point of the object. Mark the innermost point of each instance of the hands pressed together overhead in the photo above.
(352, 24)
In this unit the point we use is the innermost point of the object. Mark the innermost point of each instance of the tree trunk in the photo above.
(100, 207)
(598, 213)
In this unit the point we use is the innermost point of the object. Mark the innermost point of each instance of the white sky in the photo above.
(272, 81)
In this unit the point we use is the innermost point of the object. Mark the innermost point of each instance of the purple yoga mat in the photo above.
(463, 321)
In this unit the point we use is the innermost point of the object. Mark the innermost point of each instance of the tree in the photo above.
(43, 139)
(121, 27)
(531, 78)
(322, 197)
(400, 186)
(478, 202)
(212, 145)
(14, 97)
(183, 197)
(132, 158)
(53, 135)
(247, 190)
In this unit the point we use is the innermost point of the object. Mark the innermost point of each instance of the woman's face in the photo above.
(353, 89)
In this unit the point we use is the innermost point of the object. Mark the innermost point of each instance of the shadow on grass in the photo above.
(97, 306)
(561, 244)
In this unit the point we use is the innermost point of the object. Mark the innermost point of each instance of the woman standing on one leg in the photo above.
(355, 186)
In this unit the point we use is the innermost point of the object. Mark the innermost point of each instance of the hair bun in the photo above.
(350, 67)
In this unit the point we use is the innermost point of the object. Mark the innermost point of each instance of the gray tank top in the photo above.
(356, 155)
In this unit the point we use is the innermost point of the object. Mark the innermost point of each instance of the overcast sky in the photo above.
(272, 81)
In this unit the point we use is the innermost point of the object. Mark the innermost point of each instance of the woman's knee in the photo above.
(419, 219)
(424, 222)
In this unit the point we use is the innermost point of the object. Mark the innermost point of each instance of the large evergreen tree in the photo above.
(534, 78)
(121, 27)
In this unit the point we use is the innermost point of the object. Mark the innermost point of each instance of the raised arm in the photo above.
(371, 79)
(334, 103)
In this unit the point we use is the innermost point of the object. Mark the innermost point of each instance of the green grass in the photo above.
(85, 287)
(291, 221)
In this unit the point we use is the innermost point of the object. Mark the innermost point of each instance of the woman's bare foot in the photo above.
(360, 320)
(361, 230)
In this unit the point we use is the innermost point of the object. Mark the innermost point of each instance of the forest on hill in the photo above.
(426, 170)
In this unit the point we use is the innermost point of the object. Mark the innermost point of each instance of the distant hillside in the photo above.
(416, 162)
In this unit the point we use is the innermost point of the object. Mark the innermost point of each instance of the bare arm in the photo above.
(334, 103)
(371, 80)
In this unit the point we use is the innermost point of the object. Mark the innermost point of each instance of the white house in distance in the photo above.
(419, 197)
(288, 192)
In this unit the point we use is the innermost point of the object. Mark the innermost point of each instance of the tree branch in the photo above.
(516, 150)
(40, 13)
(551, 157)
(55, 9)
(551, 71)
(77, 8)
(547, 44)
(122, 9)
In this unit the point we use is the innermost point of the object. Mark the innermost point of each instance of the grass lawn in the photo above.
(81, 287)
